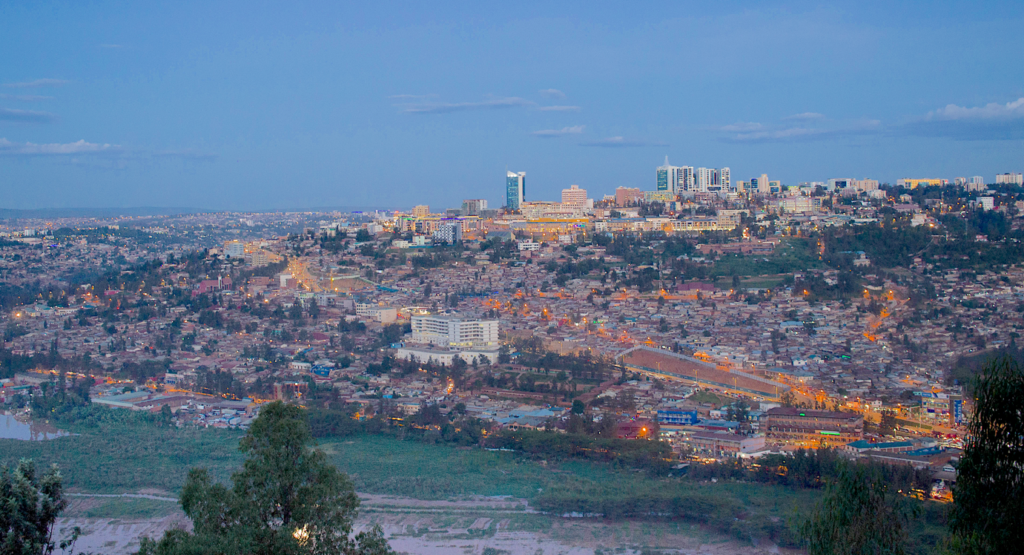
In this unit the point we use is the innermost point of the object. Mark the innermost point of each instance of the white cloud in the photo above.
(36, 83)
(559, 108)
(620, 142)
(552, 93)
(805, 116)
(990, 111)
(991, 122)
(741, 127)
(25, 97)
(9, 148)
(551, 133)
(448, 107)
(25, 116)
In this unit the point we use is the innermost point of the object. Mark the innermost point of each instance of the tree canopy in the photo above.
(286, 499)
(988, 498)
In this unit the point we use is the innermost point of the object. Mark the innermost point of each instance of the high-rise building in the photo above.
(725, 179)
(421, 211)
(686, 179)
(669, 178)
(574, 196)
(452, 331)
(1010, 179)
(515, 190)
(706, 177)
(977, 180)
(473, 207)
(763, 186)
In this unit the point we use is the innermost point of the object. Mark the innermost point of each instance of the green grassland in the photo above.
(121, 457)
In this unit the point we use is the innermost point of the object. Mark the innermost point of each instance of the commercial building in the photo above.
(452, 331)
(670, 178)
(515, 190)
(574, 197)
(797, 427)
(723, 444)
(626, 196)
(421, 211)
(911, 183)
(382, 314)
(473, 207)
(1010, 179)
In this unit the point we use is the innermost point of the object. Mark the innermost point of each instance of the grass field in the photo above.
(124, 458)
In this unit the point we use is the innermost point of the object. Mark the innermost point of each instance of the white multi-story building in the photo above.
(1010, 179)
(451, 331)
(382, 314)
(725, 179)
(234, 249)
(450, 233)
(706, 177)
(669, 178)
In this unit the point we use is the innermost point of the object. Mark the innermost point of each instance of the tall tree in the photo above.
(988, 498)
(860, 514)
(287, 499)
(29, 505)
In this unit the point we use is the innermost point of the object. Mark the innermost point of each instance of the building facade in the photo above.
(515, 190)
(797, 427)
(454, 332)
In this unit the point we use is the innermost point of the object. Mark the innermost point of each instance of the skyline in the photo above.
(319, 106)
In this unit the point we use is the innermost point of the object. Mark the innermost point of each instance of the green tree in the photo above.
(577, 406)
(286, 499)
(29, 506)
(860, 514)
(988, 499)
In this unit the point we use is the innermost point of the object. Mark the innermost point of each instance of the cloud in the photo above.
(8, 148)
(804, 116)
(449, 107)
(799, 129)
(741, 127)
(552, 133)
(36, 83)
(993, 121)
(25, 116)
(25, 97)
(990, 111)
(552, 93)
(620, 142)
(559, 108)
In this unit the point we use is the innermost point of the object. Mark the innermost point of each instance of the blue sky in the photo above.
(261, 105)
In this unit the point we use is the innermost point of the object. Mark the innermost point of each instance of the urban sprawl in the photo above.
(729, 318)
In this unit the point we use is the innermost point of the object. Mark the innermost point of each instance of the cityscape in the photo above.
(649, 359)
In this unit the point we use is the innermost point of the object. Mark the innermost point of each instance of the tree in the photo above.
(887, 423)
(788, 399)
(577, 406)
(988, 499)
(860, 514)
(286, 499)
(31, 503)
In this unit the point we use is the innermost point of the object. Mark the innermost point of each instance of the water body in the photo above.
(12, 428)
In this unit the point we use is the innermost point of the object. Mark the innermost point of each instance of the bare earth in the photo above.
(501, 526)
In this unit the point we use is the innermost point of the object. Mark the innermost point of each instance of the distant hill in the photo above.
(42, 213)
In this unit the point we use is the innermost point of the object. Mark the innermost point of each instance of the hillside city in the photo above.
(729, 319)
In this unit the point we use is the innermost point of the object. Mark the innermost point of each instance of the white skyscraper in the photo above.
(725, 179)
(669, 177)
(686, 179)
(706, 177)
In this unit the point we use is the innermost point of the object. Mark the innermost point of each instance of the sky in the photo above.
(300, 105)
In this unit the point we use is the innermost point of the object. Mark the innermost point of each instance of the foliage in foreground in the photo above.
(287, 499)
(861, 513)
(988, 498)
(29, 505)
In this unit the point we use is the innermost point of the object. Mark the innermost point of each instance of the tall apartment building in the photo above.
(574, 197)
(1010, 179)
(813, 428)
(515, 190)
(625, 196)
(450, 233)
(452, 331)
(473, 207)
(725, 179)
(977, 180)
(706, 177)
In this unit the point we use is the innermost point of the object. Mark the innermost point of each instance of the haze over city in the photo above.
(228, 105)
